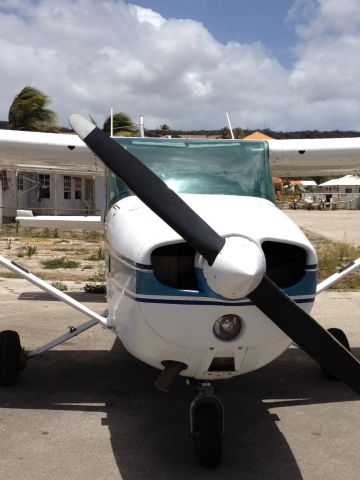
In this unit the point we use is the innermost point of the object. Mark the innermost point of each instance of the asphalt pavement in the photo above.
(337, 225)
(89, 410)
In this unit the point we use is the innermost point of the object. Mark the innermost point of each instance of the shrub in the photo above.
(60, 286)
(95, 288)
(31, 250)
(59, 263)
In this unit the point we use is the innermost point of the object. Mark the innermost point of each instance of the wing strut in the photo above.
(22, 272)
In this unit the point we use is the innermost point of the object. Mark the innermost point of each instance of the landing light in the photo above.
(227, 327)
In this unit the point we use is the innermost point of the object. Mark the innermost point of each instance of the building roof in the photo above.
(257, 136)
(308, 183)
(347, 180)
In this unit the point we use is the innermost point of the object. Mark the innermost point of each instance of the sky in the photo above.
(284, 65)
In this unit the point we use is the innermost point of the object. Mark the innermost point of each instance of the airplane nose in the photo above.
(237, 270)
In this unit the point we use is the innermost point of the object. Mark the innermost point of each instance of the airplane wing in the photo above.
(68, 153)
(314, 157)
(47, 152)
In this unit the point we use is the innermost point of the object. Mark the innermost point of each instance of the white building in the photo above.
(51, 193)
(347, 184)
(342, 192)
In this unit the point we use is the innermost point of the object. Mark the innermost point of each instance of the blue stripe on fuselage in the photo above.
(146, 285)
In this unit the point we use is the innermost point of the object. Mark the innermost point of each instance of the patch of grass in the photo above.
(99, 255)
(60, 286)
(46, 233)
(334, 255)
(59, 263)
(8, 229)
(93, 236)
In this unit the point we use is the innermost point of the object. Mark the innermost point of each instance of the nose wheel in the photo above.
(207, 427)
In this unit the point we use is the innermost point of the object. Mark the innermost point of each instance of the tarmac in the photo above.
(336, 225)
(89, 410)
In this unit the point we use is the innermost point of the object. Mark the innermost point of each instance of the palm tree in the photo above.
(28, 112)
(122, 125)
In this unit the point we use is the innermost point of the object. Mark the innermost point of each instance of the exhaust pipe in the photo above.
(168, 375)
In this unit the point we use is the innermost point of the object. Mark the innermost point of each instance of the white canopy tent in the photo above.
(348, 180)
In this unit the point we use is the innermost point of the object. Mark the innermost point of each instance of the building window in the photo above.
(4, 179)
(348, 190)
(20, 181)
(44, 188)
(78, 183)
(67, 187)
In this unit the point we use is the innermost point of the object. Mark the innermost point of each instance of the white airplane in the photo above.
(206, 277)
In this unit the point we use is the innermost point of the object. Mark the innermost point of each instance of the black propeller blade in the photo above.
(307, 333)
(151, 190)
(267, 296)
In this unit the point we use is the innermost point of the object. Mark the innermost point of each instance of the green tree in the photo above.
(165, 130)
(28, 112)
(238, 132)
(225, 133)
(122, 124)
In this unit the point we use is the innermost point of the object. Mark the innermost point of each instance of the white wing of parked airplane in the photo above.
(314, 157)
(68, 153)
(47, 151)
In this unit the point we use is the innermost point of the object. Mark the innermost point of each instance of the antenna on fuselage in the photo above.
(111, 122)
(230, 127)
(141, 124)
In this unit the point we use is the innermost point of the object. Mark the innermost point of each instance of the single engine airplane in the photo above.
(206, 277)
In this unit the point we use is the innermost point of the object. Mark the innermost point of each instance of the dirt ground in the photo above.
(33, 246)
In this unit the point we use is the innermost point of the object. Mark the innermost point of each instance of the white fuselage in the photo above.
(156, 322)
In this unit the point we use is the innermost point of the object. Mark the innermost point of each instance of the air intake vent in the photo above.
(222, 364)
(174, 266)
(285, 263)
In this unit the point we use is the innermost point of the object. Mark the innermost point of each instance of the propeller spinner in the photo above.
(233, 267)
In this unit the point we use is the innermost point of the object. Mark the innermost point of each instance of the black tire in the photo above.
(208, 434)
(10, 350)
(342, 338)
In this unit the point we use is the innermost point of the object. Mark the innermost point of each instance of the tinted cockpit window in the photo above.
(204, 167)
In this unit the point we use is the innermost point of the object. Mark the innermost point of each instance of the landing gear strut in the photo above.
(207, 426)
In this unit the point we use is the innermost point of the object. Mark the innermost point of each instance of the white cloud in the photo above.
(89, 56)
(145, 15)
(325, 76)
(318, 17)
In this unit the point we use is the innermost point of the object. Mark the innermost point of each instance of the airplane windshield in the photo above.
(218, 167)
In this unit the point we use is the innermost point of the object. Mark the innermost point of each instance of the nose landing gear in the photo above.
(207, 426)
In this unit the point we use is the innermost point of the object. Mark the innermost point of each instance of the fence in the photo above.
(322, 201)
